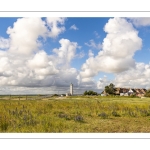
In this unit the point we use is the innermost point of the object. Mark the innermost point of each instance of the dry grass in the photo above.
(75, 115)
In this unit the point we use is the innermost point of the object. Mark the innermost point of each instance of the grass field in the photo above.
(84, 114)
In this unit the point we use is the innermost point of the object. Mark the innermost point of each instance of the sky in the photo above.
(44, 55)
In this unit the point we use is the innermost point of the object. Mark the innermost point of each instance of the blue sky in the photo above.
(44, 55)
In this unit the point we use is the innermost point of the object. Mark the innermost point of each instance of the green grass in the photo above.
(84, 114)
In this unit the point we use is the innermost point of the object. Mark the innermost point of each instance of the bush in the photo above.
(55, 95)
(4, 126)
(103, 115)
(90, 93)
(133, 96)
(147, 94)
(115, 114)
(62, 115)
(78, 118)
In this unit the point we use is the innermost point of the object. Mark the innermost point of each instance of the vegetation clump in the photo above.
(78, 118)
(103, 115)
(62, 115)
(114, 113)
(55, 95)
(147, 93)
(90, 93)
(110, 89)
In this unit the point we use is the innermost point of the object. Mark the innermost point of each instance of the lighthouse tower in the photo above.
(71, 89)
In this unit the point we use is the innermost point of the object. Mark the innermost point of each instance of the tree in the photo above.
(55, 95)
(85, 93)
(90, 93)
(147, 94)
(110, 89)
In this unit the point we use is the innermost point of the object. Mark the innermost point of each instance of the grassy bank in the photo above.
(75, 115)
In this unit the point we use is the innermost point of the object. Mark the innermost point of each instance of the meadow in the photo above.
(75, 114)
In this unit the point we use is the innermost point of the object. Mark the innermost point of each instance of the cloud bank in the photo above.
(25, 66)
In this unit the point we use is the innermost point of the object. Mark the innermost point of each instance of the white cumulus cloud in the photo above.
(56, 26)
(24, 35)
(66, 52)
(26, 67)
(22, 62)
(4, 43)
(140, 21)
(103, 82)
(91, 53)
(118, 48)
(137, 77)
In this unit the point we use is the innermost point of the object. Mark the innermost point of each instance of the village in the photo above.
(127, 92)
(112, 90)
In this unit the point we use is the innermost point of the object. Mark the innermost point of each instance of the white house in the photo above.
(121, 94)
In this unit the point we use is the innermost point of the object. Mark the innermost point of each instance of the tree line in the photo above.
(90, 92)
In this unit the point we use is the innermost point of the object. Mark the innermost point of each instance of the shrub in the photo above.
(147, 94)
(4, 126)
(115, 114)
(90, 93)
(78, 118)
(103, 115)
(62, 115)
(55, 95)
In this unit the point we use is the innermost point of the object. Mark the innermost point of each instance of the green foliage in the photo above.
(90, 93)
(86, 93)
(55, 95)
(110, 89)
(133, 96)
(147, 93)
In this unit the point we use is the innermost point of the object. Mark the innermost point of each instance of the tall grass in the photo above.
(75, 114)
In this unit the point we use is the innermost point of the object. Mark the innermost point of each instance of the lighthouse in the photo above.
(71, 89)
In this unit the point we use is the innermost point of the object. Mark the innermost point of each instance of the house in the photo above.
(103, 94)
(127, 92)
(122, 91)
(121, 94)
(132, 92)
(140, 92)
